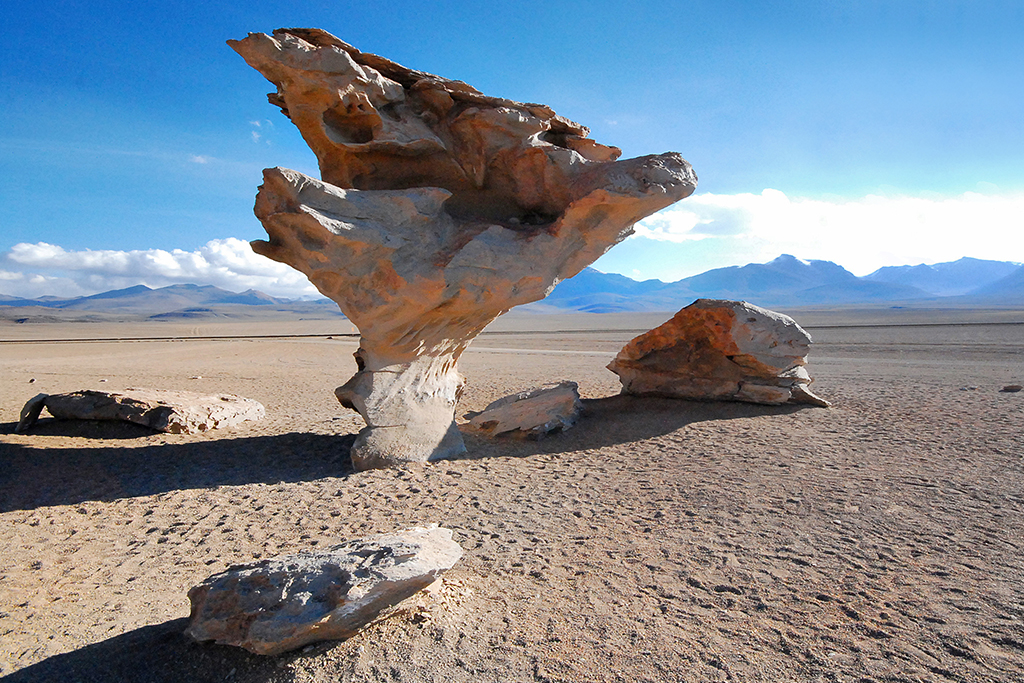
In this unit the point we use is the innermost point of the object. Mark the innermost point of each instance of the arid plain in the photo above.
(659, 540)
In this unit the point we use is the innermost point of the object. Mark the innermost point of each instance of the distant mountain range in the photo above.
(165, 303)
(784, 282)
(790, 282)
(956, 278)
(142, 299)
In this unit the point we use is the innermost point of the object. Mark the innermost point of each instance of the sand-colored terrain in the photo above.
(659, 540)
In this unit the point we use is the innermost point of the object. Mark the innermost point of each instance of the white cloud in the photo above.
(861, 234)
(32, 270)
(199, 159)
(702, 232)
(264, 125)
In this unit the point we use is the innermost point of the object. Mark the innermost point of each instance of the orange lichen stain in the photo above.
(704, 329)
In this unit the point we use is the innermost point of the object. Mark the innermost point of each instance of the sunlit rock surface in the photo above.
(720, 350)
(283, 603)
(532, 414)
(175, 412)
(439, 209)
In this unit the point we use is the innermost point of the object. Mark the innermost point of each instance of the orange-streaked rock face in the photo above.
(720, 350)
(439, 209)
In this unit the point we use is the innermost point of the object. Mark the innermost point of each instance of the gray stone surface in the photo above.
(176, 412)
(533, 413)
(30, 413)
(284, 603)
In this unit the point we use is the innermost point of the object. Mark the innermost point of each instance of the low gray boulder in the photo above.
(533, 413)
(176, 412)
(284, 603)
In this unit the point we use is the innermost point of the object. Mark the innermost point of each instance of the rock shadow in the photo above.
(622, 419)
(35, 477)
(161, 653)
(106, 430)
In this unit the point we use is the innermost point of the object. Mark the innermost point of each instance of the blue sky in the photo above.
(866, 133)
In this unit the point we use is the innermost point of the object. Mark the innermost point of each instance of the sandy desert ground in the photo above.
(659, 540)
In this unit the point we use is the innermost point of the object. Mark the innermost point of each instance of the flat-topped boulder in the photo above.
(286, 602)
(175, 412)
(438, 209)
(722, 351)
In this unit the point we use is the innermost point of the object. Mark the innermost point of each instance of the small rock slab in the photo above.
(722, 351)
(176, 412)
(532, 414)
(284, 603)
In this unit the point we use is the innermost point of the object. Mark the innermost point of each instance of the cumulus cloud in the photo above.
(32, 270)
(702, 232)
(862, 234)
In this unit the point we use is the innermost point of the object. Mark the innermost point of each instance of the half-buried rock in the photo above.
(176, 412)
(533, 414)
(721, 351)
(281, 604)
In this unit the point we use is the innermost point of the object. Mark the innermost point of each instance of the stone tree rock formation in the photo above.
(716, 350)
(439, 209)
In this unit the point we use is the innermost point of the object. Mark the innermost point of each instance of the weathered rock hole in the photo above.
(557, 139)
(492, 206)
(348, 128)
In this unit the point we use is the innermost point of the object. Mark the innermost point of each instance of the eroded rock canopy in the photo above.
(439, 209)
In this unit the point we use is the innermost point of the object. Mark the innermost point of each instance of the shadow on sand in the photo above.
(618, 420)
(152, 654)
(33, 477)
(36, 477)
